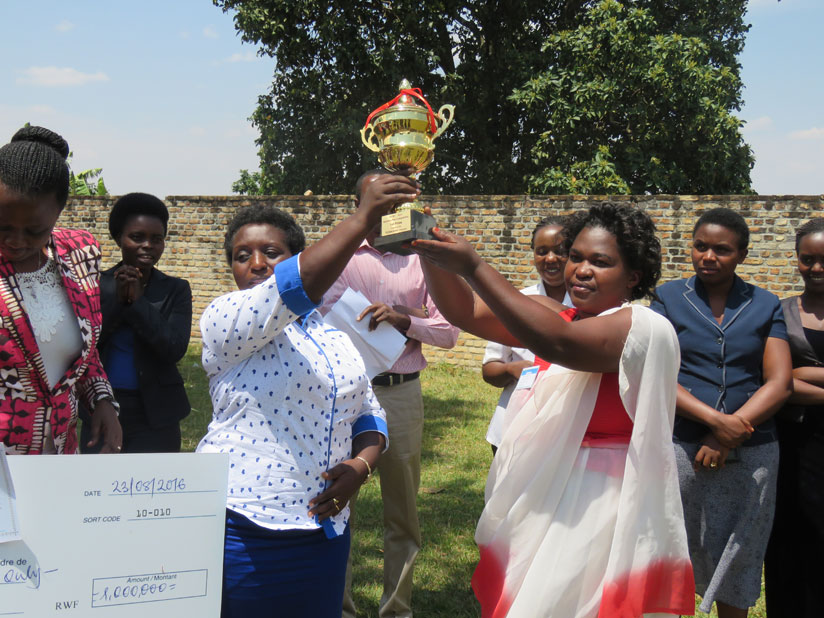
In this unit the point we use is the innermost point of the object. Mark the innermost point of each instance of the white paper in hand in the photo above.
(380, 348)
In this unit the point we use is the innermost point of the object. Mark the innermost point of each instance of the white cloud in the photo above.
(209, 32)
(197, 131)
(184, 34)
(64, 26)
(759, 124)
(249, 56)
(59, 76)
(813, 133)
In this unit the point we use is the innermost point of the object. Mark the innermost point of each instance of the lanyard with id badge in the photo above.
(527, 379)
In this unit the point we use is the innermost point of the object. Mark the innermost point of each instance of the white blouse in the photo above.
(506, 354)
(52, 318)
(288, 393)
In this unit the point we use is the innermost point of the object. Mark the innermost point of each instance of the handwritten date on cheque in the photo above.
(138, 487)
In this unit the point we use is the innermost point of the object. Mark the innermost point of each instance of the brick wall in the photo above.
(500, 227)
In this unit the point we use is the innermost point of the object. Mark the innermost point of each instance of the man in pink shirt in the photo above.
(395, 286)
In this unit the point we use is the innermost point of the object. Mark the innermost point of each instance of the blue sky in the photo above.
(158, 92)
(784, 96)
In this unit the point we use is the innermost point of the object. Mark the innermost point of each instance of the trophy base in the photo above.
(403, 227)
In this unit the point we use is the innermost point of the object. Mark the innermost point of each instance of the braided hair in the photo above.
(33, 164)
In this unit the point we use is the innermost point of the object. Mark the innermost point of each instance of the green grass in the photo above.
(193, 427)
(455, 460)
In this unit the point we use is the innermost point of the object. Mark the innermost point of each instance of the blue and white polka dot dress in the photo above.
(288, 394)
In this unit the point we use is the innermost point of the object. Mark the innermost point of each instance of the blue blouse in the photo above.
(289, 393)
(721, 363)
(119, 362)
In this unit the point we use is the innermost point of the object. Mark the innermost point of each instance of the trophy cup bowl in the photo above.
(402, 133)
(406, 151)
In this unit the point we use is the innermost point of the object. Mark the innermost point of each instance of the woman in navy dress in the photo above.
(735, 374)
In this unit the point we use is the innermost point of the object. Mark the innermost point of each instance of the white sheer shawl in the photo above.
(647, 565)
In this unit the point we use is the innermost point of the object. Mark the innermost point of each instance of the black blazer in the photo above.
(162, 321)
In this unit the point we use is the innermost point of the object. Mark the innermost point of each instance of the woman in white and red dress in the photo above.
(583, 516)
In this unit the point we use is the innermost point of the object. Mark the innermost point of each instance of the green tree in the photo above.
(630, 110)
(249, 183)
(337, 60)
(87, 182)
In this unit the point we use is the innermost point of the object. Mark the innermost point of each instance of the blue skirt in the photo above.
(281, 573)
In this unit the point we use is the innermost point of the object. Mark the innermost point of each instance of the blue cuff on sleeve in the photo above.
(328, 527)
(370, 423)
(290, 287)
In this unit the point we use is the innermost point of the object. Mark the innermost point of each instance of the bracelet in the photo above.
(368, 468)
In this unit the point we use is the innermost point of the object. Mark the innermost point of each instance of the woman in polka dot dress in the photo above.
(293, 408)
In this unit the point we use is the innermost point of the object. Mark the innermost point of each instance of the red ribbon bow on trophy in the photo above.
(414, 92)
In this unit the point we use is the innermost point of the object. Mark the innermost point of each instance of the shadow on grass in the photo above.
(454, 463)
(445, 562)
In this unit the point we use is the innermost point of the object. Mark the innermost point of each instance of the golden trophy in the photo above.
(401, 131)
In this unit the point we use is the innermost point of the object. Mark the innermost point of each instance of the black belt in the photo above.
(392, 379)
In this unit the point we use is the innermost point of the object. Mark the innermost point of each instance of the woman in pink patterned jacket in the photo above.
(49, 307)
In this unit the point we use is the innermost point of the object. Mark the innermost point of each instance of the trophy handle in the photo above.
(368, 137)
(445, 116)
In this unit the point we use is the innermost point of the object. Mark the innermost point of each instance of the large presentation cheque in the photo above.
(116, 535)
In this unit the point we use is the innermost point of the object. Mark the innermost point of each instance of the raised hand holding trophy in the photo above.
(401, 131)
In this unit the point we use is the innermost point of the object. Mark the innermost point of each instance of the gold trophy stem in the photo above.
(413, 205)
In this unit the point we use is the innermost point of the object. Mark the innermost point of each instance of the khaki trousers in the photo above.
(400, 477)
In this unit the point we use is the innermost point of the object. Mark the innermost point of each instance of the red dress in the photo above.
(610, 424)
